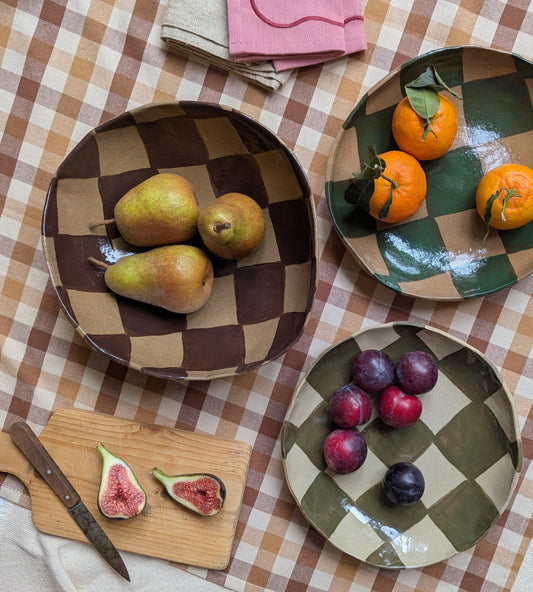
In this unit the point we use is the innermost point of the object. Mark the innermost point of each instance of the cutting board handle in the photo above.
(13, 461)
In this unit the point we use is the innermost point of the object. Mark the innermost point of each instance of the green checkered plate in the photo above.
(438, 253)
(466, 443)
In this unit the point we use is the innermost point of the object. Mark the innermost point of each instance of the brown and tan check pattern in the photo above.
(66, 67)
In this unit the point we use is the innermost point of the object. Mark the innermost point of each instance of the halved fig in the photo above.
(203, 493)
(120, 496)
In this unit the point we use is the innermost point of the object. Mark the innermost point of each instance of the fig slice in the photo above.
(203, 493)
(120, 496)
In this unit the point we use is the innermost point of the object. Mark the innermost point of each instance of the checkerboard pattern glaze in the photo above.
(438, 253)
(259, 305)
(66, 67)
(466, 443)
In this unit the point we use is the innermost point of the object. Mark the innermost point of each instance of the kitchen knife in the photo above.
(32, 448)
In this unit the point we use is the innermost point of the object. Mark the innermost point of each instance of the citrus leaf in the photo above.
(425, 80)
(360, 190)
(423, 96)
(424, 101)
(431, 79)
(487, 213)
(443, 85)
(384, 212)
(511, 192)
(373, 168)
(368, 172)
(359, 193)
(373, 154)
(488, 206)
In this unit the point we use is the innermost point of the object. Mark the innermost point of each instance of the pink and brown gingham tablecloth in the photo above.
(65, 67)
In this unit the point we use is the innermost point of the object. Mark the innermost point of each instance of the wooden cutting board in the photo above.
(164, 529)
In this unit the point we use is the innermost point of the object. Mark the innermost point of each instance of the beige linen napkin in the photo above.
(200, 31)
(32, 561)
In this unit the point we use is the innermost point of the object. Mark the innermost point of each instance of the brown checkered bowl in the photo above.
(259, 305)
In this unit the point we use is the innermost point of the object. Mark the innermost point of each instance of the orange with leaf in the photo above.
(424, 122)
(504, 197)
(391, 187)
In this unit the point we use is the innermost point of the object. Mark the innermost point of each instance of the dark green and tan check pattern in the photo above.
(439, 253)
(466, 444)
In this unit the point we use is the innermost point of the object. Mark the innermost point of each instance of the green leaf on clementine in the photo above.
(361, 188)
(431, 79)
(360, 191)
(487, 213)
(426, 103)
(423, 95)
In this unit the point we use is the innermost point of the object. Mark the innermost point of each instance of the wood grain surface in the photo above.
(164, 529)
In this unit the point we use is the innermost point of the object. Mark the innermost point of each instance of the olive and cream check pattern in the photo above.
(466, 443)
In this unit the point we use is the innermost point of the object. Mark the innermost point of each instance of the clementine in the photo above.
(504, 197)
(425, 139)
(400, 188)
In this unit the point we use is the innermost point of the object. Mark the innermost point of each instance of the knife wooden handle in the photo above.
(32, 448)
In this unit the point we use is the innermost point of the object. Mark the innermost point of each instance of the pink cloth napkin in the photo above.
(294, 34)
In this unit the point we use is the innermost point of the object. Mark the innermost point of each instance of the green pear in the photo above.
(161, 210)
(178, 278)
(232, 225)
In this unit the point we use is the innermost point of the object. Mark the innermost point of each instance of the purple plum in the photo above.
(344, 450)
(350, 406)
(373, 370)
(403, 483)
(397, 409)
(416, 372)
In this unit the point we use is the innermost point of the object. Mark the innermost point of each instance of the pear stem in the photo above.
(220, 226)
(98, 263)
(101, 223)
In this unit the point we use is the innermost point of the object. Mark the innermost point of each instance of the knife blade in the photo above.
(33, 449)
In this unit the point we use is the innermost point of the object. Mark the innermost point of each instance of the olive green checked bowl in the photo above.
(438, 254)
(466, 443)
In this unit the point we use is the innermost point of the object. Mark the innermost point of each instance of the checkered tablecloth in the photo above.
(66, 67)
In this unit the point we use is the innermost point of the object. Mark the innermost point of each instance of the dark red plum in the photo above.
(350, 406)
(373, 370)
(416, 372)
(344, 450)
(403, 483)
(397, 409)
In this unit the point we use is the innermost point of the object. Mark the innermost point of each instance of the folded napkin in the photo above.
(200, 31)
(294, 34)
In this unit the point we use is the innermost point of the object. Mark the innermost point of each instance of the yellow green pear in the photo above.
(232, 225)
(178, 278)
(161, 210)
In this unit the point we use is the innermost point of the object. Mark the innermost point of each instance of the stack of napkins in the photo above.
(263, 41)
(200, 30)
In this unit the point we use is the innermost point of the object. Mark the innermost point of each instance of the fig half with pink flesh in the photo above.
(203, 493)
(120, 496)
